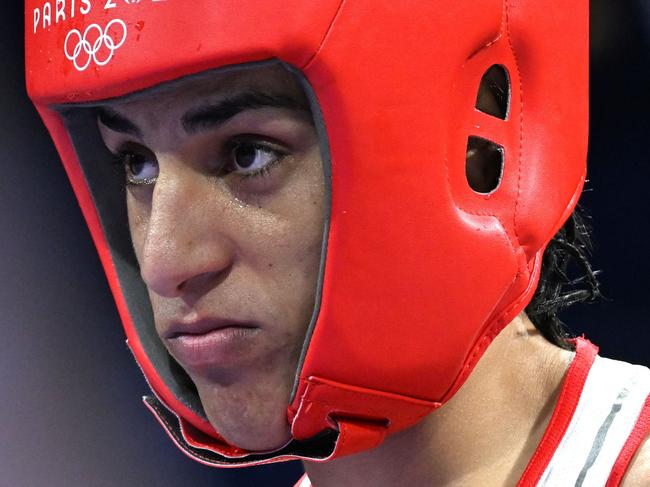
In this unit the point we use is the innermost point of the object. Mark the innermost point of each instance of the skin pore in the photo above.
(225, 197)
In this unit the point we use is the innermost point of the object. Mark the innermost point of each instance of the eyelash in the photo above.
(269, 147)
(119, 159)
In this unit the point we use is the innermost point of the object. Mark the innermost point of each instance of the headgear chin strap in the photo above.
(420, 272)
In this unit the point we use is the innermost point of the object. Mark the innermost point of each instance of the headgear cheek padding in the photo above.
(420, 272)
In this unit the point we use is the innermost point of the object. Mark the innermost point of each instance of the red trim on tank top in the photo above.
(570, 393)
(639, 433)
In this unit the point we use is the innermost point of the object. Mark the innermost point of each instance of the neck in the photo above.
(485, 435)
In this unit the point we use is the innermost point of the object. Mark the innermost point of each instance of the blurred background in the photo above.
(70, 404)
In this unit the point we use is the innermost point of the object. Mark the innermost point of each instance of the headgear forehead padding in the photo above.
(420, 272)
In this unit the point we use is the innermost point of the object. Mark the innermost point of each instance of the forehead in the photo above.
(180, 96)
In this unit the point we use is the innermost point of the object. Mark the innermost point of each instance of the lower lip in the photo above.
(217, 348)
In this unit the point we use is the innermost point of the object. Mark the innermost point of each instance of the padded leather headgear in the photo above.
(420, 272)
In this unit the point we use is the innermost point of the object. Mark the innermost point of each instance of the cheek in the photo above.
(287, 224)
(137, 216)
(294, 214)
(291, 250)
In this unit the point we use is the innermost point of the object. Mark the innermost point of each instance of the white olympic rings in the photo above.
(83, 46)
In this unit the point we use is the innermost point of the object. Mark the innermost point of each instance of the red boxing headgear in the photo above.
(408, 241)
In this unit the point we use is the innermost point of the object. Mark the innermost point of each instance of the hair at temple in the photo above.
(566, 278)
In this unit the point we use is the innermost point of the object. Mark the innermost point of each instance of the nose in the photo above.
(185, 246)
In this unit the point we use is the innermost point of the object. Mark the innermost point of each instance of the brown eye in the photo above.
(139, 168)
(249, 158)
(244, 156)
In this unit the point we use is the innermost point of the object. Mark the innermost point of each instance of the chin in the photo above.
(262, 439)
(249, 419)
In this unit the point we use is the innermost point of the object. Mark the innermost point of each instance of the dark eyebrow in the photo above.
(212, 116)
(117, 122)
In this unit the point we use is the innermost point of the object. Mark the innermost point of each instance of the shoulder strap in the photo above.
(593, 431)
(570, 393)
(639, 433)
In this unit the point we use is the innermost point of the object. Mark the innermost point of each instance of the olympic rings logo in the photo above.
(100, 50)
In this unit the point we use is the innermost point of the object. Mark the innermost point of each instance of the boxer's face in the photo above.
(225, 199)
